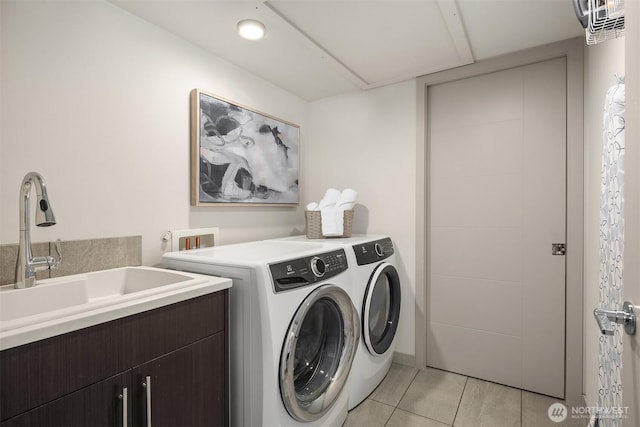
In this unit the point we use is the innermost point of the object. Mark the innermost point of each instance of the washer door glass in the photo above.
(318, 352)
(381, 309)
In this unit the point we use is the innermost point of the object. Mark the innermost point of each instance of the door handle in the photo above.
(625, 317)
(147, 385)
(125, 411)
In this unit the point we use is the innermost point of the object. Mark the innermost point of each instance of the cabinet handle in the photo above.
(125, 411)
(147, 385)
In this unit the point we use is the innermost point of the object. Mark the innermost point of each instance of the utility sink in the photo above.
(64, 304)
(125, 281)
(46, 297)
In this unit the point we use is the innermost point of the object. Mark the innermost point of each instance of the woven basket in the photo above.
(314, 224)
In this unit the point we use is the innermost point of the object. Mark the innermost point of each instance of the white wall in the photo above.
(97, 101)
(601, 62)
(367, 141)
(1, 127)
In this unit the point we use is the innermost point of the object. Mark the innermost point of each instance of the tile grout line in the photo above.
(395, 407)
(420, 416)
(390, 415)
(408, 387)
(466, 381)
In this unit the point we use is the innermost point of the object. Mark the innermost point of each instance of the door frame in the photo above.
(631, 344)
(572, 50)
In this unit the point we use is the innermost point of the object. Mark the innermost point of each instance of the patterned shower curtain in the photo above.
(611, 252)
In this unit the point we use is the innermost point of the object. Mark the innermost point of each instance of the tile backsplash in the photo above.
(78, 256)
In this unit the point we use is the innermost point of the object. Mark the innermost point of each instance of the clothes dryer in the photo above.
(294, 330)
(376, 294)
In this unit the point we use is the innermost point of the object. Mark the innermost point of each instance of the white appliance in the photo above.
(294, 330)
(376, 293)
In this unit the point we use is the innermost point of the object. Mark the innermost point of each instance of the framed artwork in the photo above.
(240, 156)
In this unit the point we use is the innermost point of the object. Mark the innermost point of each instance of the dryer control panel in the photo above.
(370, 252)
(305, 271)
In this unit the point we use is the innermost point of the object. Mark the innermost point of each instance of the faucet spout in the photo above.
(27, 265)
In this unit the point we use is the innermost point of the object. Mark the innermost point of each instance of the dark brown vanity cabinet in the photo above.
(172, 361)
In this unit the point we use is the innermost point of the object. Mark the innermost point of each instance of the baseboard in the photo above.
(404, 359)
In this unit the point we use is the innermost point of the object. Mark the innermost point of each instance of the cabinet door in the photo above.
(161, 331)
(188, 386)
(34, 374)
(97, 405)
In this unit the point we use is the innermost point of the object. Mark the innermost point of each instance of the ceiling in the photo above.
(320, 48)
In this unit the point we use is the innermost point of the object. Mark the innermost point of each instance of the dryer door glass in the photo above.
(318, 352)
(381, 309)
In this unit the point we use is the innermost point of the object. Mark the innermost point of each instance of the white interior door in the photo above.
(497, 203)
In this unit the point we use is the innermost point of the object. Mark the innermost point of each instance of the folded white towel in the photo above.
(330, 199)
(313, 206)
(332, 222)
(347, 199)
(348, 195)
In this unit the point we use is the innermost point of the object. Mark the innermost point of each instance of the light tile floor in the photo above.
(433, 398)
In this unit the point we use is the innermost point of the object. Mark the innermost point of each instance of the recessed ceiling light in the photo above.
(251, 29)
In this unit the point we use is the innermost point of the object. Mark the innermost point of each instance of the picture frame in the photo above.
(241, 156)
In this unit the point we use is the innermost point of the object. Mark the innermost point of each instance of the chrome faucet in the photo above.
(27, 265)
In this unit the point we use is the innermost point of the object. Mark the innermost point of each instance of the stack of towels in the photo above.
(332, 207)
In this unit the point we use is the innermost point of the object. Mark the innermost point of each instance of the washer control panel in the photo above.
(370, 252)
(305, 271)
(318, 267)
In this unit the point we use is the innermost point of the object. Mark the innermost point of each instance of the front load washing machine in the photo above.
(376, 293)
(294, 330)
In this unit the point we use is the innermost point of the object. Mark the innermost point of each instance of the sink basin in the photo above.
(124, 281)
(69, 303)
(46, 296)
